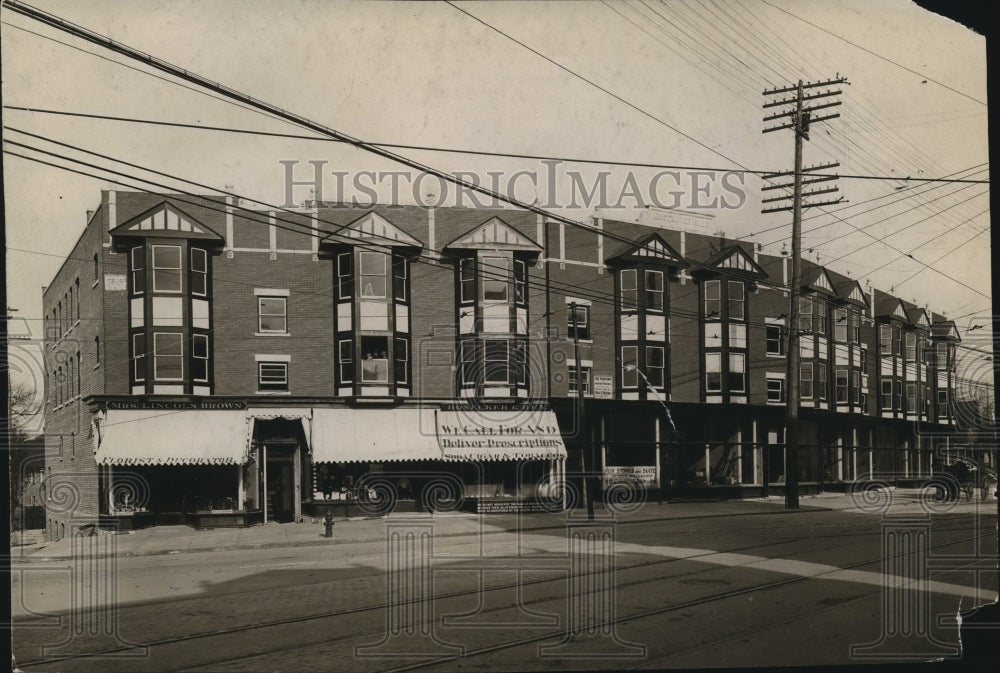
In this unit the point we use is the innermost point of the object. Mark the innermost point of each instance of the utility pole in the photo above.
(581, 427)
(800, 118)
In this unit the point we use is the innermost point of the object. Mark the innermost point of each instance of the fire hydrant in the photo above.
(328, 522)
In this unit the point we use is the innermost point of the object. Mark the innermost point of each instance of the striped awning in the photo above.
(405, 434)
(163, 437)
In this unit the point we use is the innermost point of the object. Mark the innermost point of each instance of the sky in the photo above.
(674, 83)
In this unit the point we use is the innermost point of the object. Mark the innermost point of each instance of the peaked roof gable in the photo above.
(492, 234)
(372, 227)
(818, 279)
(734, 259)
(165, 220)
(851, 291)
(651, 248)
(945, 329)
(918, 316)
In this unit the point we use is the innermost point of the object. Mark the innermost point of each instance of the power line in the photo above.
(869, 51)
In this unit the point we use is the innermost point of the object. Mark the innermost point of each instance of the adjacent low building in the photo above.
(217, 365)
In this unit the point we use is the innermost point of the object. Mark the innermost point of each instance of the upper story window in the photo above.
(199, 272)
(97, 268)
(467, 280)
(806, 379)
(840, 325)
(496, 275)
(167, 268)
(578, 321)
(737, 300)
(372, 275)
(272, 376)
(773, 339)
(400, 280)
(941, 352)
(630, 366)
(854, 327)
(520, 282)
(138, 255)
(345, 275)
(629, 290)
(168, 356)
(885, 339)
(713, 299)
(654, 290)
(272, 315)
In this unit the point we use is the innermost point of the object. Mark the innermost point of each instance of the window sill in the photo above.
(96, 283)
(773, 355)
(97, 366)
(274, 392)
(272, 334)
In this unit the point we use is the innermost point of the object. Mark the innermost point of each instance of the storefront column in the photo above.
(297, 478)
(708, 465)
(906, 458)
(758, 463)
(656, 443)
(739, 455)
(854, 454)
(840, 456)
(240, 491)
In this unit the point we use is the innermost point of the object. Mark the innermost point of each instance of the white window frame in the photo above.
(157, 355)
(486, 360)
(633, 374)
(661, 293)
(277, 365)
(742, 367)
(283, 314)
(780, 386)
(195, 356)
(628, 303)
(179, 269)
(495, 270)
(203, 273)
(362, 275)
(713, 365)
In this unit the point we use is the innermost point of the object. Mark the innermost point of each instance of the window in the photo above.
(863, 359)
(737, 373)
(469, 369)
(819, 306)
(138, 270)
(840, 325)
(911, 397)
(578, 375)
(69, 308)
(139, 357)
(199, 272)
(97, 349)
(897, 334)
(942, 355)
(168, 356)
(78, 300)
(400, 354)
(713, 372)
(713, 299)
(806, 380)
(495, 276)
(821, 387)
(856, 387)
(399, 279)
(854, 327)
(375, 359)
(166, 268)
(805, 314)
(520, 282)
(911, 347)
(199, 358)
(655, 365)
(496, 360)
(345, 279)
(629, 291)
(942, 400)
(898, 389)
(272, 315)
(69, 376)
(737, 336)
(272, 375)
(630, 366)
(736, 300)
(885, 340)
(97, 268)
(654, 290)
(885, 398)
(467, 280)
(372, 275)
(578, 316)
(346, 360)
(841, 385)
(520, 361)
(775, 390)
(773, 338)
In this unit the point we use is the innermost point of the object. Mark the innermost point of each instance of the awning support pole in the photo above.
(265, 483)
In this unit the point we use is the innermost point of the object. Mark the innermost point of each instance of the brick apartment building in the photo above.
(219, 365)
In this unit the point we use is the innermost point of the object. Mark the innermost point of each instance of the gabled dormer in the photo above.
(165, 220)
(733, 260)
(372, 229)
(917, 317)
(495, 234)
(649, 250)
(818, 280)
(891, 308)
(945, 330)
(850, 292)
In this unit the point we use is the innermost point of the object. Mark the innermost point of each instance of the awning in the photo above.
(188, 437)
(386, 435)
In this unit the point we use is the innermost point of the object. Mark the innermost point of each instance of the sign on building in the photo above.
(604, 387)
(642, 474)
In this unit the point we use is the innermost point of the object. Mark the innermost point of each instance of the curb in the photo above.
(807, 509)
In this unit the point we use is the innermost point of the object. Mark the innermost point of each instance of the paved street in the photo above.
(695, 585)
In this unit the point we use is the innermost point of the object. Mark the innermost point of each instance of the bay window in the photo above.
(885, 339)
(840, 325)
(629, 290)
(467, 280)
(737, 376)
(654, 290)
(374, 359)
(372, 275)
(841, 385)
(495, 279)
(806, 380)
(713, 299)
(138, 256)
(199, 272)
(630, 366)
(199, 358)
(655, 366)
(167, 268)
(737, 300)
(713, 372)
(168, 356)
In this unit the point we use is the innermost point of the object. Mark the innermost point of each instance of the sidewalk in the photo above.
(159, 540)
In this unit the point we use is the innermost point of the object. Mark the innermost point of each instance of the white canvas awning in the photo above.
(386, 435)
(163, 437)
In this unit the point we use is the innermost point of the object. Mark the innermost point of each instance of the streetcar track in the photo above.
(367, 609)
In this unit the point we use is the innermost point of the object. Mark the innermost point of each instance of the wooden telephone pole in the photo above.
(799, 117)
